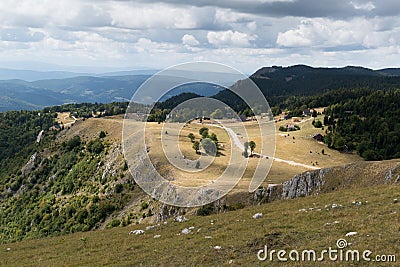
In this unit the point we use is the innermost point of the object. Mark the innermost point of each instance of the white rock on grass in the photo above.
(191, 227)
(351, 233)
(157, 236)
(181, 218)
(186, 231)
(257, 215)
(208, 237)
(217, 247)
(328, 223)
(136, 232)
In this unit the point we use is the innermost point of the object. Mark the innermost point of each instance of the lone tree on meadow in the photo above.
(191, 137)
(246, 147)
(214, 138)
(204, 132)
(209, 146)
(196, 146)
(252, 146)
(102, 134)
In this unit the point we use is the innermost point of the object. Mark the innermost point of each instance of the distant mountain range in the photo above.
(277, 83)
(24, 89)
(30, 75)
(19, 94)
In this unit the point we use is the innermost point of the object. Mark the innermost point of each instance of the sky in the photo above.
(246, 34)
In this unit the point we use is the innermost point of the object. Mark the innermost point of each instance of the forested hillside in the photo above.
(279, 83)
(52, 184)
(369, 124)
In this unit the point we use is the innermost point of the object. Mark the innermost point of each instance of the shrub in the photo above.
(95, 146)
(102, 134)
(205, 210)
(119, 188)
(114, 223)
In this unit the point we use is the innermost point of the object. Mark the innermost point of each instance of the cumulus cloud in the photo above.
(157, 33)
(230, 38)
(190, 40)
(320, 32)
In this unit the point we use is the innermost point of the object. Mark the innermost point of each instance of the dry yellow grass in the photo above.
(287, 148)
(180, 177)
(64, 118)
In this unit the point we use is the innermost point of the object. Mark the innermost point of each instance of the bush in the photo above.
(119, 188)
(205, 210)
(318, 124)
(114, 223)
(102, 134)
(144, 205)
(95, 146)
(282, 128)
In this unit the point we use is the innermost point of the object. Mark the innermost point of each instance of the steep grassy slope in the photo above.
(304, 223)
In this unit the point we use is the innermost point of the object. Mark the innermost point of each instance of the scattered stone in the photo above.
(208, 237)
(149, 227)
(136, 232)
(357, 203)
(157, 236)
(181, 218)
(230, 261)
(186, 231)
(395, 201)
(191, 227)
(302, 210)
(8, 249)
(257, 215)
(328, 223)
(351, 233)
(217, 247)
(165, 222)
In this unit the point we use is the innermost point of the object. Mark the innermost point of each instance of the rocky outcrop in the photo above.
(267, 194)
(305, 184)
(331, 179)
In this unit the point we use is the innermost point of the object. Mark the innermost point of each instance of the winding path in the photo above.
(239, 144)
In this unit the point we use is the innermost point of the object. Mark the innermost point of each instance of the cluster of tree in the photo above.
(34, 174)
(29, 198)
(252, 145)
(18, 135)
(87, 110)
(208, 141)
(370, 125)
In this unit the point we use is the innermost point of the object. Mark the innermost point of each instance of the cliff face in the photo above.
(331, 179)
(305, 184)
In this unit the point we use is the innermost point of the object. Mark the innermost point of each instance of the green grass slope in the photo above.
(303, 223)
